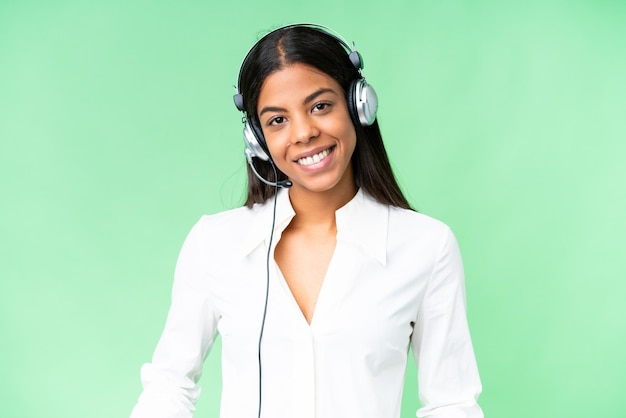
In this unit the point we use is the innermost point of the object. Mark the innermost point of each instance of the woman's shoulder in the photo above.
(416, 218)
(233, 224)
(232, 221)
(415, 224)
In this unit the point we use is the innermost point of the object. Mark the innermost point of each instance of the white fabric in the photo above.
(396, 278)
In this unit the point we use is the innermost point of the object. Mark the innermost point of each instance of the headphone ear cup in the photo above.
(366, 102)
(362, 102)
(254, 140)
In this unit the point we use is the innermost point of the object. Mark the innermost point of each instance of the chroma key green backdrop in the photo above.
(505, 119)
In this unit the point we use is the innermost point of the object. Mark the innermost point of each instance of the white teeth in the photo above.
(314, 158)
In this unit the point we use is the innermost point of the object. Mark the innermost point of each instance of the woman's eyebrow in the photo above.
(316, 93)
(308, 99)
(271, 109)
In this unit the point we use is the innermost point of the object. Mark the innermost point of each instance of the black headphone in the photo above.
(361, 97)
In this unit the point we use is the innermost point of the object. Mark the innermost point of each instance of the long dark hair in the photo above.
(316, 48)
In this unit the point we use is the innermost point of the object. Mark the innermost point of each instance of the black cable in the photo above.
(267, 285)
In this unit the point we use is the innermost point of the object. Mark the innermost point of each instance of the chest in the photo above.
(360, 302)
(302, 263)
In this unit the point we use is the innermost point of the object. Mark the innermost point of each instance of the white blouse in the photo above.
(395, 280)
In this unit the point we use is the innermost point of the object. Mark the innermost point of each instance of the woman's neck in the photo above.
(317, 209)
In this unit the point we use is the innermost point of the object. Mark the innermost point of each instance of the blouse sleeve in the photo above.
(170, 382)
(448, 379)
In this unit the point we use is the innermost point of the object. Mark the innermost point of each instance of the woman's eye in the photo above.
(277, 120)
(321, 106)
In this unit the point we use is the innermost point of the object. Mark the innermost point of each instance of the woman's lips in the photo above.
(315, 158)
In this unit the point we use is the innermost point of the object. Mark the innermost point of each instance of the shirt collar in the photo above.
(261, 224)
(362, 222)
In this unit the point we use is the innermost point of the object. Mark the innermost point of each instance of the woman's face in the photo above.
(307, 127)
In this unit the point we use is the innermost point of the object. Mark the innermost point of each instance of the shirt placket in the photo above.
(304, 376)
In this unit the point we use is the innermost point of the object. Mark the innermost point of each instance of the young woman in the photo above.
(324, 280)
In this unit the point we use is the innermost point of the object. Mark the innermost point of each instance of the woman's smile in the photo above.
(316, 158)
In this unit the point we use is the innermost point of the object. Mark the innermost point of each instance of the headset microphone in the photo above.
(284, 184)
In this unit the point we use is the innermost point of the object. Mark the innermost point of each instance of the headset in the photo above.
(361, 99)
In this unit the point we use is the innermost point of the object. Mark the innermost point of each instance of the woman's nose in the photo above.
(304, 129)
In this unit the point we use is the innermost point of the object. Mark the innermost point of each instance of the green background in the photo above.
(504, 119)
